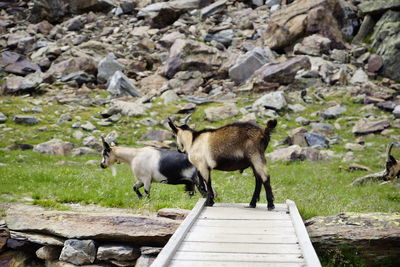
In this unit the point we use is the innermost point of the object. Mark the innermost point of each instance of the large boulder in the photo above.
(120, 85)
(54, 147)
(104, 225)
(15, 63)
(385, 40)
(20, 85)
(107, 67)
(221, 113)
(281, 72)
(296, 153)
(191, 55)
(274, 100)
(365, 126)
(302, 18)
(55, 10)
(374, 237)
(378, 6)
(313, 45)
(162, 14)
(247, 64)
(70, 65)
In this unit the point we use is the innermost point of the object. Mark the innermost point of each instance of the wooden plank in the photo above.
(228, 238)
(181, 263)
(170, 248)
(261, 206)
(241, 214)
(287, 223)
(310, 255)
(240, 247)
(243, 230)
(207, 256)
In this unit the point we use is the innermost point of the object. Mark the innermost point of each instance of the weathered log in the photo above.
(391, 171)
(379, 176)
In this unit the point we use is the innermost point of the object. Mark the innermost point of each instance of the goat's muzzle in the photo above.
(103, 166)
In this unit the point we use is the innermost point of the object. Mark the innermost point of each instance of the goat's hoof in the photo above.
(251, 206)
(209, 203)
(271, 206)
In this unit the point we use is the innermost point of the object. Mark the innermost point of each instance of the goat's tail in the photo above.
(271, 124)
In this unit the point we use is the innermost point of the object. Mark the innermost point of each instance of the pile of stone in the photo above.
(33, 236)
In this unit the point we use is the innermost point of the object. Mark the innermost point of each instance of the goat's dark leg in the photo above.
(147, 186)
(210, 194)
(189, 188)
(259, 164)
(270, 196)
(136, 187)
(257, 190)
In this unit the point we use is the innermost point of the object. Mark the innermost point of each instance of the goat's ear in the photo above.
(172, 125)
(106, 146)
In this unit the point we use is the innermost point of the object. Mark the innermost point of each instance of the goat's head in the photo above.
(183, 133)
(108, 155)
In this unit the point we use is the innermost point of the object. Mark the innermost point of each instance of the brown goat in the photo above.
(392, 165)
(232, 147)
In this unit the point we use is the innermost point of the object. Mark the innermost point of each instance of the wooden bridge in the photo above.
(233, 235)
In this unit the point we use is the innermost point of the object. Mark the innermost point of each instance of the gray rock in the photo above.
(295, 153)
(191, 55)
(213, 8)
(296, 108)
(283, 72)
(322, 128)
(78, 251)
(84, 151)
(367, 233)
(88, 126)
(169, 96)
(27, 120)
(378, 6)
(365, 126)
(92, 141)
(224, 37)
(271, 3)
(359, 77)
(70, 65)
(74, 24)
(396, 112)
(19, 85)
(173, 213)
(333, 112)
(247, 64)
(64, 118)
(313, 45)
(221, 113)
(354, 147)
(120, 85)
(80, 77)
(386, 43)
(128, 108)
(157, 135)
(274, 100)
(3, 118)
(36, 238)
(316, 140)
(111, 226)
(54, 11)
(17, 64)
(107, 67)
(340, 56)
(115, 252)
(49, 252)
(78, 135)
(54, 147)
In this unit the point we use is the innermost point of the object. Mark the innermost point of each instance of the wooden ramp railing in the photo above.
(233, 235)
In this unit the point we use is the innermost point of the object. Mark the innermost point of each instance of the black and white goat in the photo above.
(232, 147)
(152, 165)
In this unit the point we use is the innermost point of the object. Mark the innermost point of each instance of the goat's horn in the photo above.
(187, 118)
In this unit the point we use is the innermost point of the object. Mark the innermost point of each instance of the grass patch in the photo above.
(319, 189)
